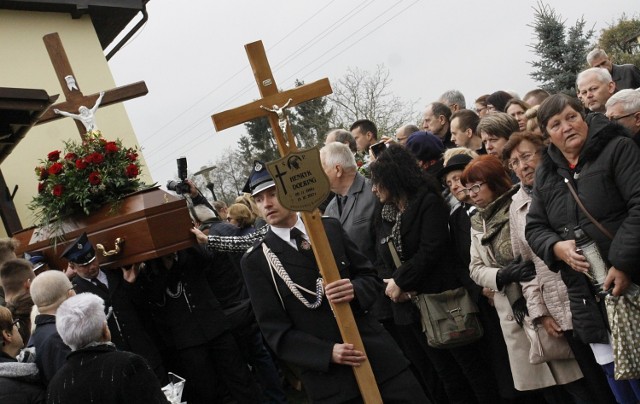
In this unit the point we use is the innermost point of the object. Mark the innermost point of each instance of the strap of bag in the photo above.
(394, 254)
(586, 212)
(455, 310)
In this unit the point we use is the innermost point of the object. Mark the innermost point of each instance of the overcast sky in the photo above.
(191, 55)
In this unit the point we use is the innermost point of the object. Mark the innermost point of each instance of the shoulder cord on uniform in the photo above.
(235, 243)
(276, 266)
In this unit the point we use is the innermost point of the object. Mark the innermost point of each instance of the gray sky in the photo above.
(191, 55)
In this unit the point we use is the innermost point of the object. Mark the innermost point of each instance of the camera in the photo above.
(181, 187)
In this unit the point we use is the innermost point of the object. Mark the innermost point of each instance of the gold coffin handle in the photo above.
(115, 251)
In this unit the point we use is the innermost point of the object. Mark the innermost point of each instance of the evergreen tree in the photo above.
(562, 52)
(310, 122)
(620, 41)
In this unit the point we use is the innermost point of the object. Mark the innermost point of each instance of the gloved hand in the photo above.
(516, 271)
(519, 308)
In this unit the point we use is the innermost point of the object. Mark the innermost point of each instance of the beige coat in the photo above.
(547, 294)
(483, 269)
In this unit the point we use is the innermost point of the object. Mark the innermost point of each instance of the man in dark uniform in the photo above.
(122, 298)
(292, 307)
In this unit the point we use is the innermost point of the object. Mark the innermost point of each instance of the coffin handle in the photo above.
(115, 251)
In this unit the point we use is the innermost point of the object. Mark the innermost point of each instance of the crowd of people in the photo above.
(488, 200)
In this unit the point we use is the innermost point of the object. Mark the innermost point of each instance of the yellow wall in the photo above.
(26, 64)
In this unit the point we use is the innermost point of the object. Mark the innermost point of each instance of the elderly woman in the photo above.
(19, 381)
(546, 294)
(415, 220)
(601, 163)
(494, 266)
(82, 324)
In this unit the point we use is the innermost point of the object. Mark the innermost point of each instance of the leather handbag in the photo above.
(449, 319)
(544, 347)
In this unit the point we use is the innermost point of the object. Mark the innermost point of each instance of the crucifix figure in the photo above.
(282, 118)
(86, 116)
(312, 220)
(74, 99)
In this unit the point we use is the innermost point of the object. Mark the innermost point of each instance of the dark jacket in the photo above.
(102, 374)
(607, 182)
(19, 382)
(625, 76)
(130, 322)
(51, 352)
(305, 337)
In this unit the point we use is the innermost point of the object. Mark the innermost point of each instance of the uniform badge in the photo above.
(258, 167)
(305, 245)
(79, 246)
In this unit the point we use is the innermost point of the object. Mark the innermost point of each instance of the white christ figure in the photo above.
(86, 116)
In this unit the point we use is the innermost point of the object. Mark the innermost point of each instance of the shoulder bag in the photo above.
(623, 313)
(449, 319)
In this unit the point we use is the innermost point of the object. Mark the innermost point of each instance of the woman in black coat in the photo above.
(420, 234)
(602, 163)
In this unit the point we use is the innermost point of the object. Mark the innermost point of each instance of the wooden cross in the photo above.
(271, 105)
(74, 98)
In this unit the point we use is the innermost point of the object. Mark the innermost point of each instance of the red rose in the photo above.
(81, 164)
(102, 141)
(42, 173)
(111, 147)
(359, 163)
(95, 158)
(132, 170)
(54, 155)
(55, 169)
(57, 190)
(94, 178)
(41, 186)
(132, 156)
(70, 156)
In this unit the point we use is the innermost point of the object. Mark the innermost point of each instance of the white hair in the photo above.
(80, 320)
(453, 97)
(203, 213)
(333, 154)
(597, 53)
(49, 289)
(602, 75)
(628, 98)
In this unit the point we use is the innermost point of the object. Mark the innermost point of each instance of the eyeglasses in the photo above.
(475, 189)
(479, 110)
(616, 119)
(524, 159)
(16, 322)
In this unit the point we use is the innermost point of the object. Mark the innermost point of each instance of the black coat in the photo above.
(102, 374)
(606, 179)
(305, 337)
(130, 322)
(51, 351)
(19, 382)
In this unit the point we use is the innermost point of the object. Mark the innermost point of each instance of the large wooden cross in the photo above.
(272, 106)
(74, 98)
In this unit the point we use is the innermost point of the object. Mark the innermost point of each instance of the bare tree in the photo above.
(364, 95)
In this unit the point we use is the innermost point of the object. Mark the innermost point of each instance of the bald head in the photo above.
(49, 290)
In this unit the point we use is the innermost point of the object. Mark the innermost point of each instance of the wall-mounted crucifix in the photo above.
(76, 105)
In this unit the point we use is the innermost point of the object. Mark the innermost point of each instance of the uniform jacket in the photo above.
(128, 323)
(305, 337)
(606, 180)
(51, 351)
(19, 382)
(490, 251)
(102, 374)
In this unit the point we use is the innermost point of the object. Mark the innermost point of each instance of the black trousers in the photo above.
(217, 360)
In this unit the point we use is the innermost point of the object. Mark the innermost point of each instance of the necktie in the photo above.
(100, 285)
(303, 245)
(342, 200)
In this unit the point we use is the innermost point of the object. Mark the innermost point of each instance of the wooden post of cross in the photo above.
(74, 98)
(272, 105)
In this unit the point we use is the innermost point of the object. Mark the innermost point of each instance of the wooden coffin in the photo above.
(149, 223)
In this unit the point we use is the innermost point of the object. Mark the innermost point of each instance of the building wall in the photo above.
(26, 64)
